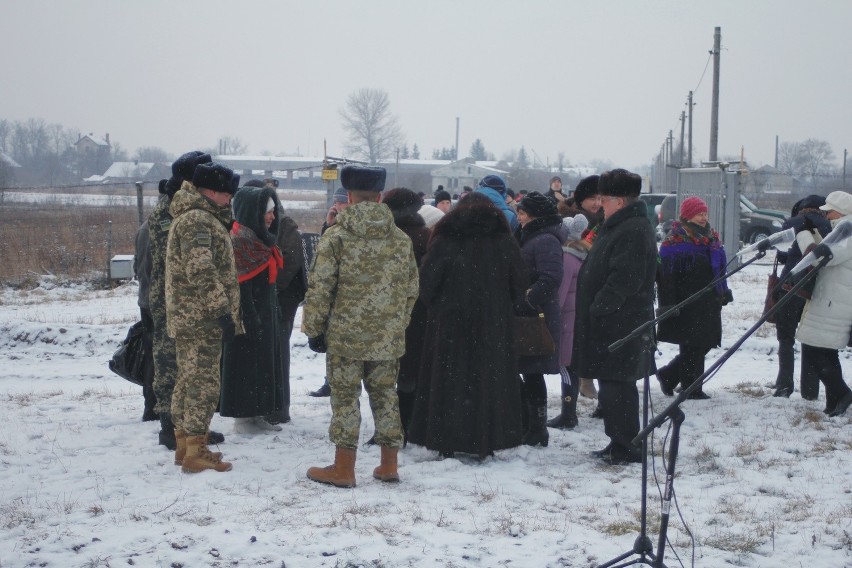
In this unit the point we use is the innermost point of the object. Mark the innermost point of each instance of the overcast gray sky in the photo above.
(595, 80)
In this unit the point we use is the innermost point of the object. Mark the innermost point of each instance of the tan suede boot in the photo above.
(341, 473)
(198, 457)
(387, 470)
(587, 388)
(180, 450)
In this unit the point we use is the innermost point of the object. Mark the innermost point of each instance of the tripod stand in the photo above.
(642, 545)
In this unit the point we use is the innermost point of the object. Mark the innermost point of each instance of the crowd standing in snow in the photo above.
(418, 301)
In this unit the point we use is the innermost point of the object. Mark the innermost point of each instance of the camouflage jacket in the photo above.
(201, 278)
(362, 285)
(159, 222)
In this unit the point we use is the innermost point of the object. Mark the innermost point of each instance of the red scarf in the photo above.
(252, 256)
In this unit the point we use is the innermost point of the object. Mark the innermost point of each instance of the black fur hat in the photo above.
(402, 200)
(588, 187)
(363, 178)
(162, 186)
(537, 205)
(214, 176)
(184, 167)
(620, 183)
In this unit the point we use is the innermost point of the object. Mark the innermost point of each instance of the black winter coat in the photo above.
(615, 295)
(409, 364)
(541, 248)
(252, 365)
(468, 392)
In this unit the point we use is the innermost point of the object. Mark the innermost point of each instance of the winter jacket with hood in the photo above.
(362, 286)
(201, 277)
(827, 318)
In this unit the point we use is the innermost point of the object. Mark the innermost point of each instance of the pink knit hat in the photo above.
(691, 207)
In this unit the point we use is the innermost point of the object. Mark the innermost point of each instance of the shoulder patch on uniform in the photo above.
(203, 238)
(165, 224)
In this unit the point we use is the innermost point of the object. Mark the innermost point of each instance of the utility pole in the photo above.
(670, 147)
(776, 151)
(714, 109)
(682, 126)
(457, 139)
(689, 153)
(844, 169)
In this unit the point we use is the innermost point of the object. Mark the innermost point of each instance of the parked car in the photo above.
(755, 223)
(651, 201)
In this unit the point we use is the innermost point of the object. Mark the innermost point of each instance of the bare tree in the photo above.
(817, 158)
(151, 154)
(789, 158)
(230, 145)
(374, 133)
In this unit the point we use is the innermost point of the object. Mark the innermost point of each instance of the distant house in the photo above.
(767, 180)
(93, 154)
(129, 172)
(467, 171)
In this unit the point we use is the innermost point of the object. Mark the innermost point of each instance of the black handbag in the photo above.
(129, 359)
(532, 338)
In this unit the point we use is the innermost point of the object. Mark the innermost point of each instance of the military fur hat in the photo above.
(215, 177)
(363, 178)
(184, 167)
(620, 183)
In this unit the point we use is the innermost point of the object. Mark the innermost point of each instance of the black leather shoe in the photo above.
(324, 390)
(842, 406)
(214, 437)
(782, 392)
(603, 452)
(698, 395)
(666, 389)
(619, 455)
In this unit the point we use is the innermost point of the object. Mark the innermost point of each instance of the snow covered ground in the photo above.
(760, 482)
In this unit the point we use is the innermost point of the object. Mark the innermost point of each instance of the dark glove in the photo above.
(726, 298)
(808, 225)
(254, 330)
(229, 330)
(317, 344)
(822, 251)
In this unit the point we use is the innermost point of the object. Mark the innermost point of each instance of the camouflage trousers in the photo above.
(165, 362)
(197, 387)
(379, 377)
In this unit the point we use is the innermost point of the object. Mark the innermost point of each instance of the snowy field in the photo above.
(761, 481)
(290, 199)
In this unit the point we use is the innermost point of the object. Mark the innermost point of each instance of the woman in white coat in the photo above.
(827, 318)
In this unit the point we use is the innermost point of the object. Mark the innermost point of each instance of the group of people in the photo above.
(418, 302)
(221, 277)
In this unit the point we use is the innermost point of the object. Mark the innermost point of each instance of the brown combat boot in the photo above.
(587, 388)
(341, 473)
(198, 457)
(180, 449)
(387, 470)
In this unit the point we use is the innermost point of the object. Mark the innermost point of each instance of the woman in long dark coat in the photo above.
(252, 366)
(691, 257)
(468, 394)
(541, 236)
(405, 204)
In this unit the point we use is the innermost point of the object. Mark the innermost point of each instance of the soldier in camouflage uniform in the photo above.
(361, 291)
(202, 307)
(165, 365)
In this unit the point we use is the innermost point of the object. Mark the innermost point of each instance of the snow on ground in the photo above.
(760, 481)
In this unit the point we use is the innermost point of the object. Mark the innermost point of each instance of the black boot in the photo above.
(167, 431)
(567, 420)
(323, 391)
(537, 434)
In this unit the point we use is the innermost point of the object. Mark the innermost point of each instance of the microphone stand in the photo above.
(676, 415)
(645, 332)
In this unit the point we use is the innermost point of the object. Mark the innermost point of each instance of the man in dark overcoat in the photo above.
(615, 295)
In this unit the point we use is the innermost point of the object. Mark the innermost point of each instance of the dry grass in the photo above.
(72, 242)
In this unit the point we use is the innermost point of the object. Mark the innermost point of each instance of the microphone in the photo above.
(837, 238)
(778, 240)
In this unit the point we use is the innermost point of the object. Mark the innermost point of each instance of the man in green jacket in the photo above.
(361, 290)
(202, 307)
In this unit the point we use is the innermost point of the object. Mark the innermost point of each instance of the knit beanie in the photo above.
(691, 207)
(442, 195)
(537, 205)
(575, 226)
(494, 182)
(430, 214)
